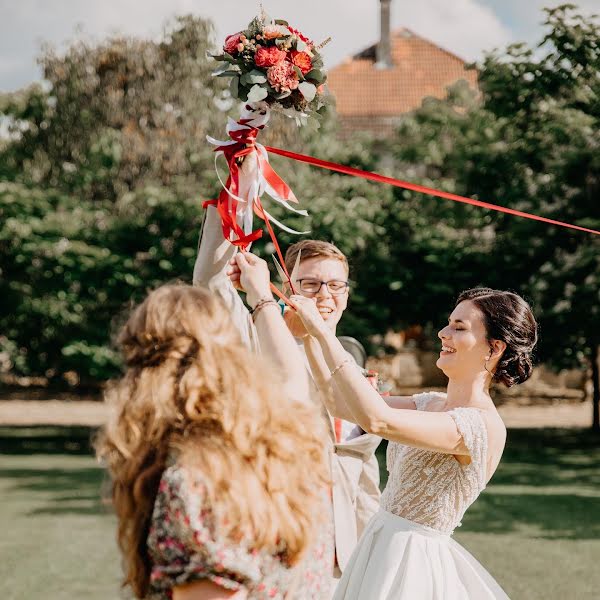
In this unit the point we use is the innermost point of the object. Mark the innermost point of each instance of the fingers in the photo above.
(303, 300)
(246, 259)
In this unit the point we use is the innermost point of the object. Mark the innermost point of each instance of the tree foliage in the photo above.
(102, 177)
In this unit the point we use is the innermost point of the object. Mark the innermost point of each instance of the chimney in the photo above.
(384, 48)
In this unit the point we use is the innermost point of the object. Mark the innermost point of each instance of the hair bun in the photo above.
(515, 368)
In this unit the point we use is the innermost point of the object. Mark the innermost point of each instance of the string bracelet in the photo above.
(261, 304)
(341, 365)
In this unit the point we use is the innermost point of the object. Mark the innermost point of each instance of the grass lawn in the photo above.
(536, 528)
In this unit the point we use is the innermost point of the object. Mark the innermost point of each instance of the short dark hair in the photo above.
(507, 317)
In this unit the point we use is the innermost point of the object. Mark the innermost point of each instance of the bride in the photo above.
(443, 448)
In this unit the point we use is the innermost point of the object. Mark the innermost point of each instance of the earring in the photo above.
(485, 365)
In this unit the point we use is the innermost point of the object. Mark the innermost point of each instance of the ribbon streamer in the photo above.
(240, 197)
(419, 188)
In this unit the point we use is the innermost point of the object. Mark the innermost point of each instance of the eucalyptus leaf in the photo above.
(257, 93)
(243, 93)
(281, 22)
(234, 86)
(316, 74)
(228, 73)
(228, 57)
(299, 73)
(308, 90)
(226, 70)
(254, 76)
(283, 95)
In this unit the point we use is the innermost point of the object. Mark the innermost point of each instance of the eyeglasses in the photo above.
(336, 287)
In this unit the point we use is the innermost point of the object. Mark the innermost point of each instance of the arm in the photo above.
(329, 391)
(427, 430)
(214, 256)
(215, 252)
(333, 398)
(210, 270)
(276, 341)
(206, 590)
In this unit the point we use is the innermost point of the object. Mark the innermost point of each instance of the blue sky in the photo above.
(465, 27)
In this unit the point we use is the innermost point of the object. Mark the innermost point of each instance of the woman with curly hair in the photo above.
(220, 479)
(443, 449)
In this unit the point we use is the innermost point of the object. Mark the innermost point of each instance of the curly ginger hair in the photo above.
(191, 388)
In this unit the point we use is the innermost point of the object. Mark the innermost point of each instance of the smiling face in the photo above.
(465, 347)
(319, 269)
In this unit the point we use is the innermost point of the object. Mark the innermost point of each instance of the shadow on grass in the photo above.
(547, 486)
(17, 440)
(54, 482)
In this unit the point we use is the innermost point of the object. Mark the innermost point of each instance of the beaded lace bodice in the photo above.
(432, 488)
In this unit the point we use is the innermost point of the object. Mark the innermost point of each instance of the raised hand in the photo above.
(294, 322)
(251, 274)
(306, 309)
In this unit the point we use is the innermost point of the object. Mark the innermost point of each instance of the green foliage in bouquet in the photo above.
(271, 61)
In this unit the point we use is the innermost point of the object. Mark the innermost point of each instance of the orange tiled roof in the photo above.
(420, 69)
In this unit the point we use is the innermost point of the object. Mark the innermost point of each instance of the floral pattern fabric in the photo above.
(184, 545)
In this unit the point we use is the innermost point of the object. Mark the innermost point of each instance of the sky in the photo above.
(468, 28)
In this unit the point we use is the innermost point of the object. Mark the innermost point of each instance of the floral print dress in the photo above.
(184, 545)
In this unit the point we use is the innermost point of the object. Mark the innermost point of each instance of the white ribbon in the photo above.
(252, 181)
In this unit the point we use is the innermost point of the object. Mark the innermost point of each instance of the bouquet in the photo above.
(272, 62)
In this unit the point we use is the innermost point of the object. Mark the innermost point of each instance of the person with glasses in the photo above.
(322, 276)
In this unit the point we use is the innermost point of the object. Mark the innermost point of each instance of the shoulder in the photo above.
(181, 490)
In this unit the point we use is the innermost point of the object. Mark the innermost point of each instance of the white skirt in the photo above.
(397, 559)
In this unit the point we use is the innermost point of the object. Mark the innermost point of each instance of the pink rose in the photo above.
(282, 77)
(267, 57)
(231, 43)
(301, 60)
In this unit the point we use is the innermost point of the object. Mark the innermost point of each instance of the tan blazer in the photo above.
(354, 467)
(355, 475)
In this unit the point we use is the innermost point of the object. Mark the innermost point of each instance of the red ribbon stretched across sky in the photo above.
(419, 188)
(245, 143)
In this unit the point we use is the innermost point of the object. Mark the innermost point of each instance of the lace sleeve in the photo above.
(472, 428)
(422, 400)
(185, 543)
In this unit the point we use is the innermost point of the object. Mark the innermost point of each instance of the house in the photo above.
(375, 87)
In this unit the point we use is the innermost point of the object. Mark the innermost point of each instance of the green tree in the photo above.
(103, 178)
(529, 142)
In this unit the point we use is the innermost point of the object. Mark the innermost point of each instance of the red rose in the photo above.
(267, 57)
(231, 42)
(301, 60)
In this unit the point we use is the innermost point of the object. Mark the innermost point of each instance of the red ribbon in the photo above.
(227, 205)
(419, 188)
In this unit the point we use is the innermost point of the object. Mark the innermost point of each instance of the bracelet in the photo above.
(341, 365)
(261, 301)
(260, 305)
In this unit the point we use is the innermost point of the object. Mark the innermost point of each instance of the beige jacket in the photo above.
(354, 467)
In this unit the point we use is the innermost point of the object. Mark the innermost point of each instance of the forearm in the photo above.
(278, 345)
(330, 393)
(214, 252)
(428, 430)
(206, 590)
(359, 397)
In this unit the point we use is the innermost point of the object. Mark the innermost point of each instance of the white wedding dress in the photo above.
(406, 551)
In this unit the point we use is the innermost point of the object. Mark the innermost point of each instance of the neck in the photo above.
(468, 391)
